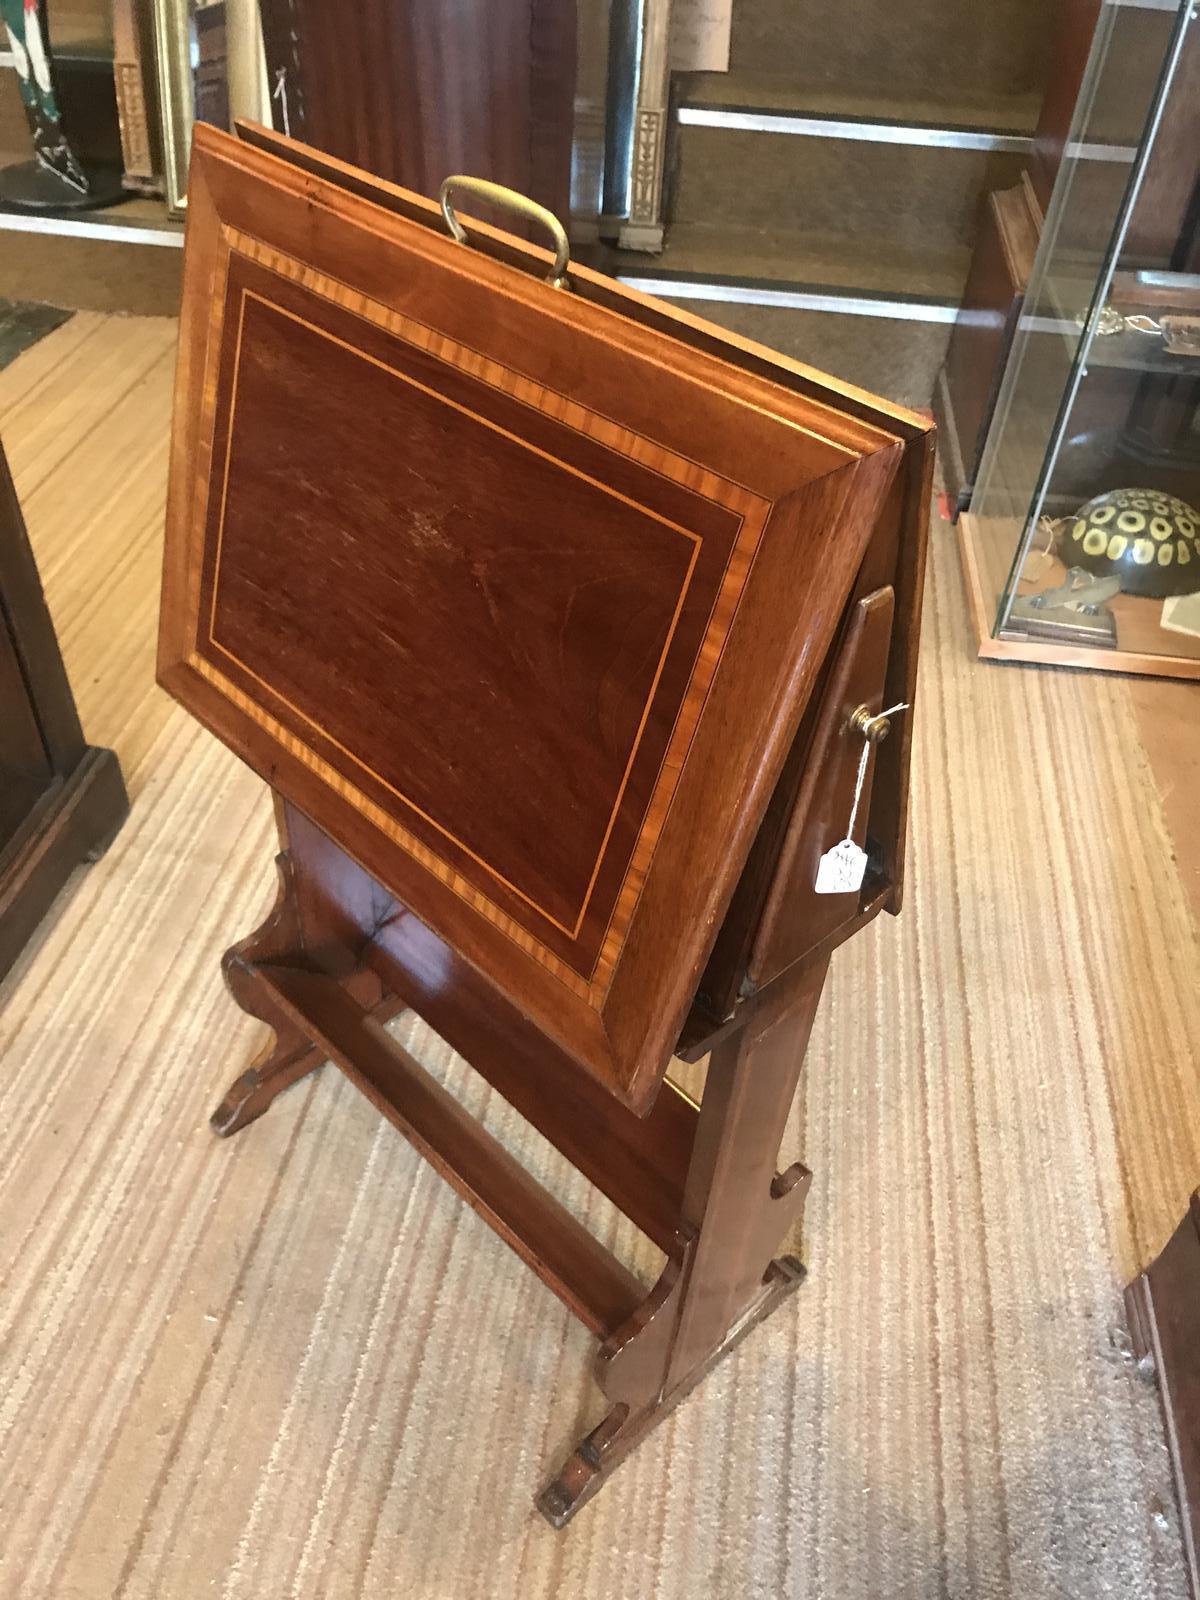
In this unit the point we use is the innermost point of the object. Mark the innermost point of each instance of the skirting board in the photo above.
(1164, 1320)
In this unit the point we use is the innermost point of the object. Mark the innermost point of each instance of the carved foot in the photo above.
(586, 1467)
(289, 1056)
(600, 1453)
(249, 1096)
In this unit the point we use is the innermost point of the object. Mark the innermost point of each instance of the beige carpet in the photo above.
(295, 1365)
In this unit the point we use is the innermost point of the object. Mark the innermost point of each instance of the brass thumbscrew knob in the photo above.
(873, 728)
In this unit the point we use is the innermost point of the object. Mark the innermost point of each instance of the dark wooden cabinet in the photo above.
(414, 90)
(1164, 1320)
(61, 801)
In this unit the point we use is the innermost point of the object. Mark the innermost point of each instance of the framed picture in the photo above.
(176, 96)
(192, 51)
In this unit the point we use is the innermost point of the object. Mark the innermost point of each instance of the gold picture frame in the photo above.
(176, 97)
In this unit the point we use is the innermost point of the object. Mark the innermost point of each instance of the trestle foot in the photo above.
(249, 1096)
(290, 1055)
(600, 1452)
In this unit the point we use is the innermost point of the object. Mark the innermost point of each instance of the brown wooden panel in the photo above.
(518, 597)
(796, 918)
(59, 800)
(24, 615)
(592, 619)
(417, 89)
(894, 559)
(1010, 229)
(903, 528)
(640, 1163)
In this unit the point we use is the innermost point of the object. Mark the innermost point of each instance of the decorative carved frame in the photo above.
(645, 135)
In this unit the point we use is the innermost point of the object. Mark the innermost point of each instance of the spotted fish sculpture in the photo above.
(1147, 539)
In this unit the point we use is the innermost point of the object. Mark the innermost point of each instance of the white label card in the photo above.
(842, 869)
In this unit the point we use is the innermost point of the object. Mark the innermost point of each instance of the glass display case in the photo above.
(1082, 544)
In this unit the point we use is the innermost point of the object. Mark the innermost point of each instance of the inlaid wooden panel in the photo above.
(515, 595)
(440, 637)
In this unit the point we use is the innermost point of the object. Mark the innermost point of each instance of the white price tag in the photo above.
(842, 869)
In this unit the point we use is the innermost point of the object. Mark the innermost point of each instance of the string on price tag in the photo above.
(841, 870)
(280, 93)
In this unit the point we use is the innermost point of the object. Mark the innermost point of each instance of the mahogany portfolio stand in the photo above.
(561, 627)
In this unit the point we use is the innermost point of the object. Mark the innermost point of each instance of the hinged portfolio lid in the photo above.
(517, 590)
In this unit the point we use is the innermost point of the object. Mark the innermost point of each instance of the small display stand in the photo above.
(562, 626)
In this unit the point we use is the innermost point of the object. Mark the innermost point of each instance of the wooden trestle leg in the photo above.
(289, 1055)
(727, 1219)
(722, 1276)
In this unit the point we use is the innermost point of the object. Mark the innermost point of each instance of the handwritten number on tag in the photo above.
(842, 869)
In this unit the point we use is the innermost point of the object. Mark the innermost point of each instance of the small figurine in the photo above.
(1074, 613)
(1147, 539)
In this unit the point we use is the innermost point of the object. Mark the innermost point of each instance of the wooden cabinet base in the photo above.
(711, 1197)
(74, 822)
(1164, 1319)
(61, 800)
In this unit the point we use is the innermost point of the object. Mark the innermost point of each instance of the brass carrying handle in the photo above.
(498, 195)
